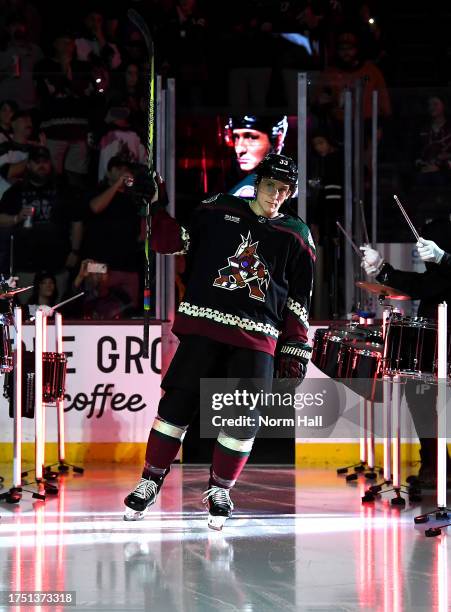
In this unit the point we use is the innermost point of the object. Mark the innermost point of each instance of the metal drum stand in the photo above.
(441, 512)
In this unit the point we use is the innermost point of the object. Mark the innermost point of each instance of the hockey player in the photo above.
(253, 139)
(247, 302)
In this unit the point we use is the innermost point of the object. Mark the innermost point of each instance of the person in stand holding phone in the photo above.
(112, 231)
(100, 301)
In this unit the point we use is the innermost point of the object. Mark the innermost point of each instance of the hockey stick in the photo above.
(141, 25)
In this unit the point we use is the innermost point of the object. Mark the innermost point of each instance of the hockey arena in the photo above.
(225, 285)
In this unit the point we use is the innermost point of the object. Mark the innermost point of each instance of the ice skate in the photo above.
(141, 498)
(219, 506)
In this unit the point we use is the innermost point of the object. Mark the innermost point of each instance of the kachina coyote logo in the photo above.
(245, 269)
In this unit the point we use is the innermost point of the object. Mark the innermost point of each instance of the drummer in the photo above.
(431, 288)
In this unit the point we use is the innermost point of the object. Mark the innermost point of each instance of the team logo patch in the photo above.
(245, 269)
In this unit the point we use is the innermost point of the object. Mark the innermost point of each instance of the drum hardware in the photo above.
(382, 291)
(411, 347)
(38, 386)
(341, 351)
(393, 377)
(11, 365)
(441, 512)
(12, 292)
(14, 494)
(392, 449)
(50, 371)
(328, 344)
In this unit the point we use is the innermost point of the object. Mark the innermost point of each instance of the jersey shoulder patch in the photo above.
(299, 227)
(211, 199)
(224, 199)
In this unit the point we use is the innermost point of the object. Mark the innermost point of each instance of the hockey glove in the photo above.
(291, 361)
(160, 196)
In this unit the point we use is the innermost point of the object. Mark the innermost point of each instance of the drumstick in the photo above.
(11, 256)
(349, 239)
(406, 217)
(74, 297)
(365, 229)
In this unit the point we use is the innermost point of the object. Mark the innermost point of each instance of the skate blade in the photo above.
(133, 515)
(216, 522)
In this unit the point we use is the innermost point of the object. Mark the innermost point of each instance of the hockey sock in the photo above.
(163, 445)
(229, 458)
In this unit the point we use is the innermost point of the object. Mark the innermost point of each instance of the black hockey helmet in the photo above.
(278, 167)
(271, 126)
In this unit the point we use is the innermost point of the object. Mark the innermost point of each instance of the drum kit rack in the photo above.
(31, 385)
(384, 359)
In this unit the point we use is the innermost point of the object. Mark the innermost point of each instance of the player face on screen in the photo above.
(251, 146)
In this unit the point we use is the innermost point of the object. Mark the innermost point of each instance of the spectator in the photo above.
(372, 38)
(326, 178)
(62, 82)
(102, 299)
(17, 62)
(182, 43)
(92, 43)
(348, 68)
(300, 48)
(7, 110)
(251, 52)
(129, 91)
(30, 14)
(111, 28)
(14, 152)
(135, 49)
(47, 228)
(434, 146)
(119, 140)
(44, 292)
(112, 230)
(326, 206)
(253, 138)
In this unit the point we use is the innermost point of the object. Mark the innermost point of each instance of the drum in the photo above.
(53, 382)
(345, 358)
(28, 388)
(53, 376)
(318, 343)
(410, 347)
(366, 360)
(6, 359)
(359, 367)
(332, 343)
(373, 333)
(357, 359)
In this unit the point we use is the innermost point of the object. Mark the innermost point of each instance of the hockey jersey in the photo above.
(249, 277)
